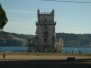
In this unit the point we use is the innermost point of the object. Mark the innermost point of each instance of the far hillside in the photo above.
(75, 39)
(13, 39)
(70, 39)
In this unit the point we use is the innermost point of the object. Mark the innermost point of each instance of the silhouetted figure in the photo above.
(80, 52)
(72, 51)
(37, 53)
(4, 56)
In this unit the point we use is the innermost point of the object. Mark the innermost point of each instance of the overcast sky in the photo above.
(72, 16)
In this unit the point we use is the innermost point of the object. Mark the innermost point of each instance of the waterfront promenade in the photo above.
(44, 61)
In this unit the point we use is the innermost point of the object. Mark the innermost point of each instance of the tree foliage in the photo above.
(3, 18)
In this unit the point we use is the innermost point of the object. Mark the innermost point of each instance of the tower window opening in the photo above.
(45, 19)
(45, 40)
(45, 33)
(45, 27)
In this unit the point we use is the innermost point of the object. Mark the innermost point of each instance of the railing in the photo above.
(45, 22)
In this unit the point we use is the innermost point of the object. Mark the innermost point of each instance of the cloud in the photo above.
(74, 1)
(21, 11)
(68, 1)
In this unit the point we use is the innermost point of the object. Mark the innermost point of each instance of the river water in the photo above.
(84, 50)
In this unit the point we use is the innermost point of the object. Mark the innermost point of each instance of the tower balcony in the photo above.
(45, 23)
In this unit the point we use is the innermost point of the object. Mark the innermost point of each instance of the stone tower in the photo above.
(45, 32)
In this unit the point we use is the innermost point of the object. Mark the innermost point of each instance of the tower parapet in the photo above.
(45, 18)
(52, 12)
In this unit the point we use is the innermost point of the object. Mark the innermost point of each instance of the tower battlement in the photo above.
(38, 12)
(45, 17)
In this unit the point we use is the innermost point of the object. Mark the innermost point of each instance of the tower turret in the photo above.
(38, 11)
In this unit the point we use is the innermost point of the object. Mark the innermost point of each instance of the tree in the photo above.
(3, 18)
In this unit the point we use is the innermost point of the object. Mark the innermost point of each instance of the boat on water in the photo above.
(75, 48)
